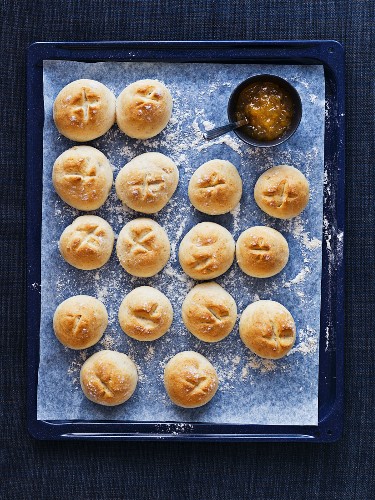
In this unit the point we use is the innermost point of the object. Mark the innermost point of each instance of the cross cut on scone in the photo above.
(279, 195)
(82, 170)
(88, 235)
(149, 185)
(85, 104)
(141, 240)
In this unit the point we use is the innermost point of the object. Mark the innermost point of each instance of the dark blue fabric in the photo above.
(64, 470)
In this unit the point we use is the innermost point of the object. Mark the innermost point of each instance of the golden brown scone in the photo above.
(82, 177)
(147, 182)
(206, 251)
(190, 379)
(282, 192)
(209, 312)
(262, 251)
(215, 187)
(145, 314)
(84, 110)
(108, 378)
(87, 243)
(79, 322)
(143, 109)
(143, 247)
(268, 329)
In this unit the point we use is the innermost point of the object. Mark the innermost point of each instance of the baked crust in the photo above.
(190, 379)
(82, 177)
(145, 314)
(209, 312)
(206, 251)
(215, 187)
(87, 243)
(262, 251)
(147, 182)
(108, 378)
(84, 110)
(143, 109)
(80, 321)
(143, 248)
(268, 329)
(282, 192)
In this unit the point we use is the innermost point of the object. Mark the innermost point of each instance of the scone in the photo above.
(282, 192)
(215, 187)
(84, 110)
(209, 312)
(145, 314)
(206, 251)
(87, 243)
(268, 329)
(143, 248)
(147, 182)
(79, 322)
(82, 177)
(143, 109)
(262, 251)
(190, 379)
(108, 378)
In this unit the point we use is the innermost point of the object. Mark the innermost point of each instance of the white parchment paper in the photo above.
(251, 390)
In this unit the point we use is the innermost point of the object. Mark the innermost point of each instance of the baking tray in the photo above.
(328, 53)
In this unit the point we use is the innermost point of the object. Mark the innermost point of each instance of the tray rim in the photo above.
(330, 54)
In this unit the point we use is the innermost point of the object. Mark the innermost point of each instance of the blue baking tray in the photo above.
(328, 53)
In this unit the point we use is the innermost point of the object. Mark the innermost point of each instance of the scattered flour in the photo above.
(208, 125)
(108, 342)
(150, 353)
(297, 229)
(307, 342)
(236, 217)
(300, 278)
(258, 364)
(226, 140)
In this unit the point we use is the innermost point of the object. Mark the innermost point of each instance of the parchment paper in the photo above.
(251, 390)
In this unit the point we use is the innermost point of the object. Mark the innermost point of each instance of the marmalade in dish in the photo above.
(268, 109)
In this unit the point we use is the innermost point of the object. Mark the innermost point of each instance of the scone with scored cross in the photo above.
(108, 378)
(80, 321)
(143, 109)
(209, 312)
(84, 110)
(206, 251)
(268, 329)
(87, 243)
(282, 192)
(147, 182)
(145, 314)
(190, 379)
(262, 251)
(82, 176)
(215, 187)
(143, 247)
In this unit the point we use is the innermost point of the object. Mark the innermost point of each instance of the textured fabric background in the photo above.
(41, 470)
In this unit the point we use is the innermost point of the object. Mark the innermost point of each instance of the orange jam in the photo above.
(268, 109)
